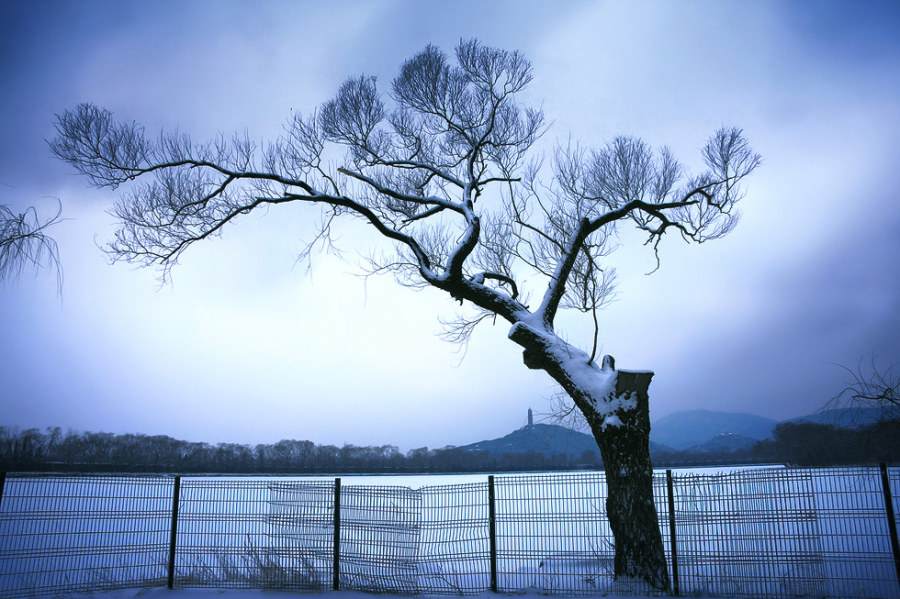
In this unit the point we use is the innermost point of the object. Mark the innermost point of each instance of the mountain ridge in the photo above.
(685, 429)
(546, 439)
(696, 431)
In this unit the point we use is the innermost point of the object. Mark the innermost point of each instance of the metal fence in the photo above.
(753, 533)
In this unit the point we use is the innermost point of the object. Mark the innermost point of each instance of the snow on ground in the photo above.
(164, 593)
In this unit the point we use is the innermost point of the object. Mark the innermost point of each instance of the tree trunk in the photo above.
(620, 421)
(625, 447)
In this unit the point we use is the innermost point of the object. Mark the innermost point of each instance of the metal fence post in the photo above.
(492, 532)
(336, 579)
(672, 537)
(175, 496)
(2, 484)
(892, 521)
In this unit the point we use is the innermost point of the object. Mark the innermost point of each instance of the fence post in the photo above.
(175, 497)
(892, 521)
(672, 537)
(336, 579)
(2, 484)
(492, 532)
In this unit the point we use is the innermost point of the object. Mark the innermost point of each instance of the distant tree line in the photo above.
(52, 449)
(827, 445)
(804, 444)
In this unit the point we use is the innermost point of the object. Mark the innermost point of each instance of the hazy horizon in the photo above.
(538, 419)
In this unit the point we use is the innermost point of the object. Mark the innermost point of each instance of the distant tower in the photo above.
(530, 418)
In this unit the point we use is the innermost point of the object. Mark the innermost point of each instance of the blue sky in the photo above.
(243, 345)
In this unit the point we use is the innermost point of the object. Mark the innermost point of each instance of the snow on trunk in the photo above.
(630, 508)
(616, 405)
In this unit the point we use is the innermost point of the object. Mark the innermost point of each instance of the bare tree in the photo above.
(871, 387)
(24, 242)
(441, 167)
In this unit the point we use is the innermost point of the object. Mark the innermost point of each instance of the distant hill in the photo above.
(683, 430)
(697, 431)
(546, 439)
(724, 442)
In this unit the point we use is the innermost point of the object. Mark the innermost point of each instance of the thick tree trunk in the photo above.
(624, 441)
(620, 421)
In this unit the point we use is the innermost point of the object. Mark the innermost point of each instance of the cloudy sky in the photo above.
(245, 346)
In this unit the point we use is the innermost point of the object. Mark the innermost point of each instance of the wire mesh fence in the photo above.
(752, 533)
(77, 534)
(553, 535)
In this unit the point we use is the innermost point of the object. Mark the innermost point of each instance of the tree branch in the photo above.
(425, 201)
(480, 278)
(24, 241)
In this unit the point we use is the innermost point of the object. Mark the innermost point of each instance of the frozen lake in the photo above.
(417, 481)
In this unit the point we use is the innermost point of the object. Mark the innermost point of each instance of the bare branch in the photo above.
(626, 180)
(459, 330)
(397, 195)
(562, 411)
(871, 386)
(354, 113)
(24, 241)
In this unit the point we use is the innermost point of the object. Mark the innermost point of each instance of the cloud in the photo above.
(245, 346)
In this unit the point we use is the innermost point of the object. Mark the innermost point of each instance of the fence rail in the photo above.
(752, 533)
